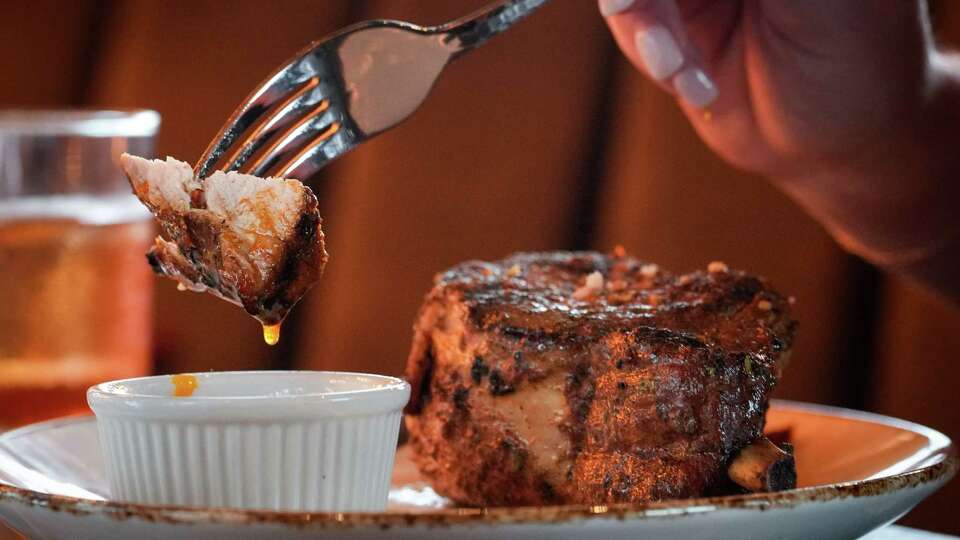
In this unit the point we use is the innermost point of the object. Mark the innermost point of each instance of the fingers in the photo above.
(652, 35)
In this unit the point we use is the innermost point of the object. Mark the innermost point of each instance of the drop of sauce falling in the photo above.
(271, 333)
(183, 385)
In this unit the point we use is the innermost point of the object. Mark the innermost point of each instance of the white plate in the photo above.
(858, 471)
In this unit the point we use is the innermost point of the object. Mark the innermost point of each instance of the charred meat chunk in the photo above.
(252, 241)
(586, 378)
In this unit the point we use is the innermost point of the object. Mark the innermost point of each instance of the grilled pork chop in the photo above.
(551, 378)
(253, 241)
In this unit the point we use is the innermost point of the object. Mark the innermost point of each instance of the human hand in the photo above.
(845, 105)
(786, 82)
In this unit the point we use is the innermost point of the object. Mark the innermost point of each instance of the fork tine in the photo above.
(286, 113)
(313, 108)
(316, 154)
(277, 89)
(319, 124)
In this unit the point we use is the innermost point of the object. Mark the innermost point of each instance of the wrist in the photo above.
(894, 202)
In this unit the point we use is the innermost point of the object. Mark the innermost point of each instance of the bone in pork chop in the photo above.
(550, 378)
(253, 241)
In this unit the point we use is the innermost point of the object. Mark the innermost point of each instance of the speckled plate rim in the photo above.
(942, 464)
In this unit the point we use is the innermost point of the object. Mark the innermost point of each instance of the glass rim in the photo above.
(80, 122)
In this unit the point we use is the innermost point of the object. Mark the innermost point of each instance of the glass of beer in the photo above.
(75, 290)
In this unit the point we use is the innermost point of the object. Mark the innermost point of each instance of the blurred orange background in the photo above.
(544, 139)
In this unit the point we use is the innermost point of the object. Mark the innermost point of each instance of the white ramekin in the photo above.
(277, 440)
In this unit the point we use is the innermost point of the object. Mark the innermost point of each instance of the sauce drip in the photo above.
(183, 385)
(271, 333)
(181, 287)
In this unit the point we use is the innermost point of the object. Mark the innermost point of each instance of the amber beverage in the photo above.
(75, 289)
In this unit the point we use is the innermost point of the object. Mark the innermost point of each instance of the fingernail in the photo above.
(695, 87)
(659, 52)
(612, 7)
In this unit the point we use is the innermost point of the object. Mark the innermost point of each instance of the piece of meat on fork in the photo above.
(253, 241)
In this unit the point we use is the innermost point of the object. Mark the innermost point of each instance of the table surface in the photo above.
(892, 532)
(902, 533)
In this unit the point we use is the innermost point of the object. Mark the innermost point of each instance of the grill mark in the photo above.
(499, 386)
(479, 369)
(298, 264)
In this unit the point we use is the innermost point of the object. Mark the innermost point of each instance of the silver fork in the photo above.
(345, 89)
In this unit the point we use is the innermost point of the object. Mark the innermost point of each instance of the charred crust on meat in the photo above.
(499, 386)
(516, 333)
(298, 261)
(514, 453)
(154, 262)
(784, 473)
(460, 396)
(653, 401)
(745, 289)
(419, 375)
(547, 493)
(427, 377)
(479, 369)
(620, 492)
(579, 374)
(419, 369)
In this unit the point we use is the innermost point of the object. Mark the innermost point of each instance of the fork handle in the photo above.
(474, 30)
